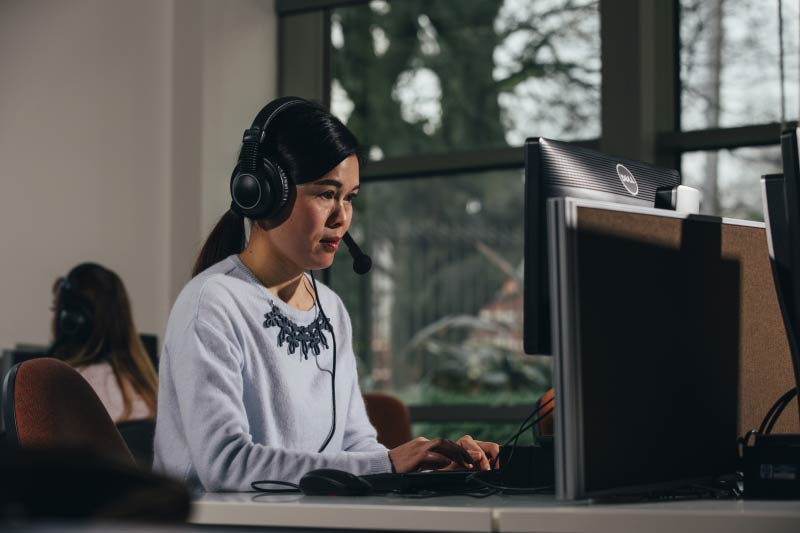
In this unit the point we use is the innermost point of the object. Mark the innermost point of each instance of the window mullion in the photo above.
(638, 48)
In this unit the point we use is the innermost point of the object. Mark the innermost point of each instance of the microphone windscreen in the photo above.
(362, 264)
(361, 261)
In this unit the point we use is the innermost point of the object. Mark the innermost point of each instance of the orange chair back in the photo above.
(545, 426)
(48, 404)
(390, 418)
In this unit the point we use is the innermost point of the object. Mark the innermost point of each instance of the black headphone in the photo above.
(259, 187)
(74, 314)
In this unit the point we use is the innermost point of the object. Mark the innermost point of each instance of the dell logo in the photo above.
(627, 179)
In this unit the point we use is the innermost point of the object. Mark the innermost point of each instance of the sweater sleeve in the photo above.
(359, 434)
(207, 373)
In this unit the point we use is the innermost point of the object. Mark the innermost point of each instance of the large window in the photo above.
(735, 190)
(414, 76)
(439, 318)
(730, 68)
(730, 77)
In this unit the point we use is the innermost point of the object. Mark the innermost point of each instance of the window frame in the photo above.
(640, 113)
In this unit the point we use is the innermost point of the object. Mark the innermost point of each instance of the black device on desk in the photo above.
(648, 345)
(556, 169)
(771, 464)
(527, 469)
(783, 232)
(331, 482)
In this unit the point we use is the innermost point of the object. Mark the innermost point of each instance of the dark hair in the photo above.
(113, 338)
(307, 142)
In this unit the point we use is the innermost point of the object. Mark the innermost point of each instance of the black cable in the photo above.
(533, 413)
(522, 430)
(498, 487)
(525, 426)
(471, 493)
(771, 412)
(538, 419)
(787, 399)
(294, 487)
(264, 496)
(291, 486)
(775, 411)
(506, 489)
(333, 373)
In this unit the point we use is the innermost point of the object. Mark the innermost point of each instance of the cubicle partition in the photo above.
(670, 344)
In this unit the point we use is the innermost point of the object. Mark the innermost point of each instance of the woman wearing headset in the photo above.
(94, 332)
(258, 376)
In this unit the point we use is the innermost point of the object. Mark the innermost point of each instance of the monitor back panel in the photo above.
(557, 169)
(681, 345)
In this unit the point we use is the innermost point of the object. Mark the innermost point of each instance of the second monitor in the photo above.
(557, 169)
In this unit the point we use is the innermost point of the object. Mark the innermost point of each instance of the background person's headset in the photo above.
(74, 314)
(259, 187)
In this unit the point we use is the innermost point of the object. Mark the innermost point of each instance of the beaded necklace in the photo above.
(308, 338)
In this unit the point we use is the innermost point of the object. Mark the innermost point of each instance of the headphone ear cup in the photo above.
(248, 192)
(74, 322)
(70, 322)
(261, 194)
(279, 187)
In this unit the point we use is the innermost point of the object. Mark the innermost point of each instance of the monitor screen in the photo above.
(23, 352)
(556, 169)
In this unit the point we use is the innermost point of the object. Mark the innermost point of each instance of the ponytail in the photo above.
(226, 238)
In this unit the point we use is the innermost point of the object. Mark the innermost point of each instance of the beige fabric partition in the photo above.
(765, 365)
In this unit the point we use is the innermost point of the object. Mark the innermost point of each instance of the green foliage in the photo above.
(463, 29)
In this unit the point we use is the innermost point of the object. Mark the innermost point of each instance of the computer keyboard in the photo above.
(460, 481)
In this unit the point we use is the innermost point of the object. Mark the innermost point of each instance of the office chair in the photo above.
(48, 405)
(543, 430)
(390, 418)
(139, 436)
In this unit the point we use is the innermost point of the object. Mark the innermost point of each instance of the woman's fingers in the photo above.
(477, 452)
(439, 453)
(492, 451)
(452, 450)
(433, 461)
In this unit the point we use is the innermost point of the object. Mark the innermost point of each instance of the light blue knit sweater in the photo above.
(234, 407)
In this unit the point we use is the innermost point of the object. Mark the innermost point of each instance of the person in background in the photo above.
(94, 332)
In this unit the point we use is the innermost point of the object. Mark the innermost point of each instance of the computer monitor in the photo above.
(781, 195)
(556, 169)
(24, 352)
(666, 346)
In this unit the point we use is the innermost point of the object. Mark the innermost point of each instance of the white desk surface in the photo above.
(513, 514)
(446, 513)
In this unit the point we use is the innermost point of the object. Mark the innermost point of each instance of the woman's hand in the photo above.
(485, 454)
(424, 454)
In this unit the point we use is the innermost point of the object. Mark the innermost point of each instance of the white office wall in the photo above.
(117, 118)
(241, 65)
